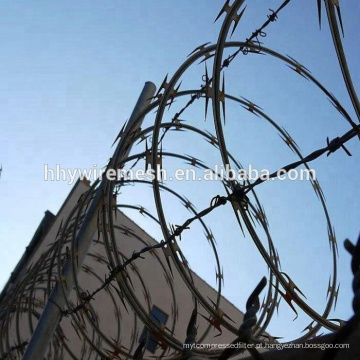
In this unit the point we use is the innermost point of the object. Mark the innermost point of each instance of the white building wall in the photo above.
(107, 323)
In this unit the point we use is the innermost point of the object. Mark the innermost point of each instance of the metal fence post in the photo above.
(51, 315)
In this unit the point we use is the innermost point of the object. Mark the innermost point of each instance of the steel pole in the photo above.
(51, 315)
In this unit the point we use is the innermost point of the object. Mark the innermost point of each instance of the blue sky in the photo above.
(72, 71)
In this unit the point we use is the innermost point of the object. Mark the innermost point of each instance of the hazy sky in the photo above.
(71, 73)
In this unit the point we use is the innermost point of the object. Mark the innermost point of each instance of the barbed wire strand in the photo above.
(215, 202)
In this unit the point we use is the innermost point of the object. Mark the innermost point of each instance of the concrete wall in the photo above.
(109, 320)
